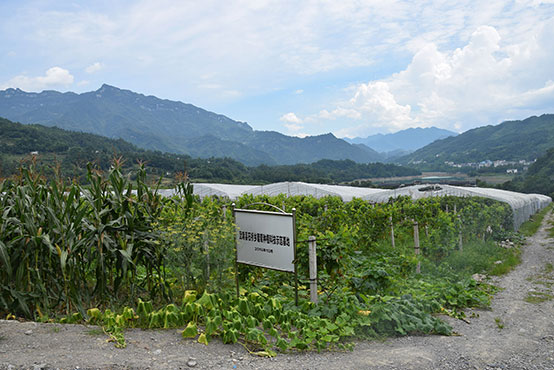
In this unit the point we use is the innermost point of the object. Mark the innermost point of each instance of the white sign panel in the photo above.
(265, 239)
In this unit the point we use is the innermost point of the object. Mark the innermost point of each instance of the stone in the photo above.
(192, 362)
(478, 277)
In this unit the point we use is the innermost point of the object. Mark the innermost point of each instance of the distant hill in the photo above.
(170, 126)
(291, 150)
(512, 140)
(73, 150)
(403, 141)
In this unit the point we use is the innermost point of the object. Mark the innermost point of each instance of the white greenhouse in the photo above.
(347, 193)
(523, 205)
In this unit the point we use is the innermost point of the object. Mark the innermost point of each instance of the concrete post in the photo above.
(313, 268)
(416, 245)
(391, 231)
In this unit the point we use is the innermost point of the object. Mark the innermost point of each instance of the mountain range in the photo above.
(170, 126)
(403, 141)
(176, 127)
(68, 153)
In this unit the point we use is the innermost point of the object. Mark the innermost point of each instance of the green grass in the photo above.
(538, 297)
(544, 279)
(480, 257)
(96, 331)
(499, 322)
(547, 284)
(531, 226)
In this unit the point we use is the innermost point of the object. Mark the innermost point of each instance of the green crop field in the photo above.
(105, 255)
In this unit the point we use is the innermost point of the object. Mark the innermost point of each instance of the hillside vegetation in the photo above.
(512, 140)
(538, 179)
(73, 150)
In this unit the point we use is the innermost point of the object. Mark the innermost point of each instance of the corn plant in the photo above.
(65, 247)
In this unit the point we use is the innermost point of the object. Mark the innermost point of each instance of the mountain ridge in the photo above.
(170, 126)
(525, 139)
(67, 153)
(406, 140)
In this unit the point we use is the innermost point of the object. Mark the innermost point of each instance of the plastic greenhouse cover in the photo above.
(347, 193)
(523, 205)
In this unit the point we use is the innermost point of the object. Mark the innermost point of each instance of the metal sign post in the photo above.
(266, 239)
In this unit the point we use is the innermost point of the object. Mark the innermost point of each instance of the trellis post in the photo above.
(460, 243)
(416, 245)
(313, 268)
(391, 231)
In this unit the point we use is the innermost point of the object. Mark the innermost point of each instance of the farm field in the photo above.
(102, 256)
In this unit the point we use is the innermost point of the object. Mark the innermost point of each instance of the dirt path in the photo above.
(514, 334)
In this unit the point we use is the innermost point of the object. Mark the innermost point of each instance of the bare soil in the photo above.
(516, 333)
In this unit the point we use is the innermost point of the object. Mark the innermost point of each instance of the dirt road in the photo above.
(514, 334)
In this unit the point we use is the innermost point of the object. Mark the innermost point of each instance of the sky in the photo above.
(352, 68)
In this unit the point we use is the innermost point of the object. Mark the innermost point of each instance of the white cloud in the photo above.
(455, 61)
(95, 67)
(295, 130)
(291, 118)
(293, 127)
(54, 77)
(483, 82)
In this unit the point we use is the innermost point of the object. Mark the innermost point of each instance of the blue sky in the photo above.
(353, 68)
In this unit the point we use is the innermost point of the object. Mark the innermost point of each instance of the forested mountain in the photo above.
(538, 179)
(291, 150)
(73, 150)
(512, 140)
(403, 141)
(170, 126)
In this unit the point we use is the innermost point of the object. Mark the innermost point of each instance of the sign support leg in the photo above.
(295, 286)
(295, 262)
(236, 254)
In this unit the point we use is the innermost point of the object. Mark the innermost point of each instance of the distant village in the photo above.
(521, 164)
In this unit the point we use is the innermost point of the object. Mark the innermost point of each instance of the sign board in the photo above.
(265, 239)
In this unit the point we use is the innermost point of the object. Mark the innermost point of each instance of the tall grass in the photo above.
(483, 257)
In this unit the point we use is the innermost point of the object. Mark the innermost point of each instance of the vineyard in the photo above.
(117, 254)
